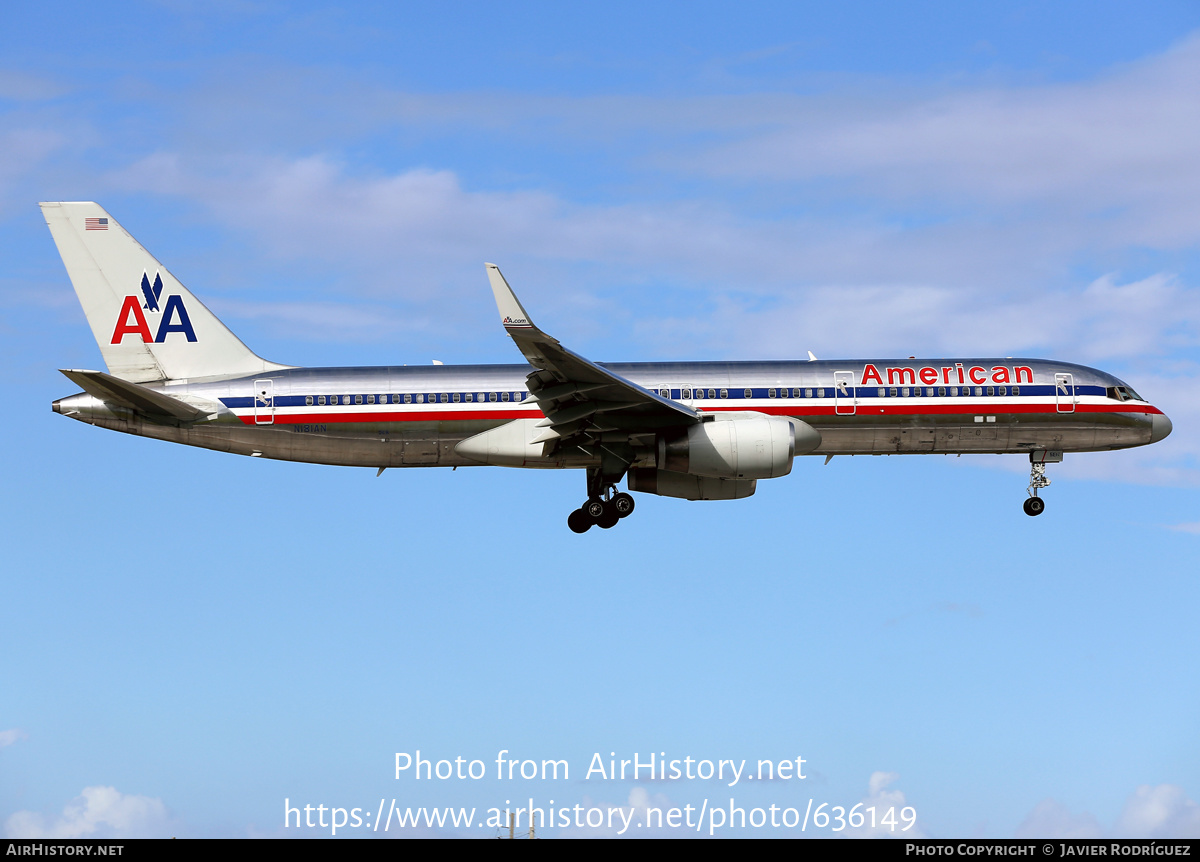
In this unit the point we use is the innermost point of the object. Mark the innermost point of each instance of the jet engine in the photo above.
(738, 446)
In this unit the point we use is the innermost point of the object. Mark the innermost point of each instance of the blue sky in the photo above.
(194, 637)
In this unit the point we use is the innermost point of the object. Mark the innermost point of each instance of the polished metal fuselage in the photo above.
(383, 417)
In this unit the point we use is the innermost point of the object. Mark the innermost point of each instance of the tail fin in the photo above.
(148, 325)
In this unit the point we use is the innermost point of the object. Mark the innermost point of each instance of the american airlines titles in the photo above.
(949, 375)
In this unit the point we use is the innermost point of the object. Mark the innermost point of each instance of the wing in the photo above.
(580, 398)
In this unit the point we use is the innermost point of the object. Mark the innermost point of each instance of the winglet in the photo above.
(512, 315)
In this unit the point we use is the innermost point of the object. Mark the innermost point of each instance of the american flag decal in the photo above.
(95, 224)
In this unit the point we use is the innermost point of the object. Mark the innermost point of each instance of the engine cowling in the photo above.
(647, 480)
(738, 446)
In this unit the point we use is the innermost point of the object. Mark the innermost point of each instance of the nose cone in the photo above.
(1160, 427)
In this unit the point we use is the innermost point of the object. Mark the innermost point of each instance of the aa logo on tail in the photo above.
(131, 320)
(151, 293)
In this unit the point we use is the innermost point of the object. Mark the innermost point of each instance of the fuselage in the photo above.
(414, 416)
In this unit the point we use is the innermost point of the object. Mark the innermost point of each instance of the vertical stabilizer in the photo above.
(148, 325)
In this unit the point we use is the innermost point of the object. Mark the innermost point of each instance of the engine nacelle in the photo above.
(667, 484)
(738, 446)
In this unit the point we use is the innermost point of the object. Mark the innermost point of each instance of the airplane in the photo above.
(690, 430)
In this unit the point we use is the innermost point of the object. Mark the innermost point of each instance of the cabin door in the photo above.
(1064, 393)
(844, 402)
(264, 402)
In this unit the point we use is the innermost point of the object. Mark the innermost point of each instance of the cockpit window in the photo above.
(1123, 393)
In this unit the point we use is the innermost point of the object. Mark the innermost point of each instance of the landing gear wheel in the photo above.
(623, 503)
(609, 517)
(579, 522)
(593, 508)
(1035, 506)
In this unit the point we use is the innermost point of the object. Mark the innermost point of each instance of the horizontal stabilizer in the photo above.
(131, 395)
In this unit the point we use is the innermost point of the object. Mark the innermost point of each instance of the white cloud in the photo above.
(8, 737)
(888, 803)
(1124, 139)
(1159, 812)
(1163, 811)
(100, 812)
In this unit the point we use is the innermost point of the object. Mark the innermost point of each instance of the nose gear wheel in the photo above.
(1035, 505)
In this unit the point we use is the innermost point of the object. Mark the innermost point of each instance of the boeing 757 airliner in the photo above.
(694, 430)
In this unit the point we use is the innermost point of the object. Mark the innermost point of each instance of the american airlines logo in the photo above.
(947, 374)
(132, 321)
(517, 321)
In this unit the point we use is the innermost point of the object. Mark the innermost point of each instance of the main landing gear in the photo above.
(603, 507)
(600, 512)
(1035, 505)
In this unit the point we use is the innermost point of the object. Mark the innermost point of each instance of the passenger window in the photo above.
(444, 398)
(770, 393)
(419, 398)
(941, 391)
(821, 392)
(1016, 390)
(358, 399)
(904, 392)
(724, 393)
(1002, 390)
(308, 399)
(370, 399)
(749, 393)
(504, 396)
(892, 392)
(492, 396)
(978, 391)
(686, 393)
(991, 391)
(882, 392)
(408, 399)
(345, 399)
(457, 397)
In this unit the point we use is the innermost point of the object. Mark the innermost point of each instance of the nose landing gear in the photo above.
(1038, 459)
